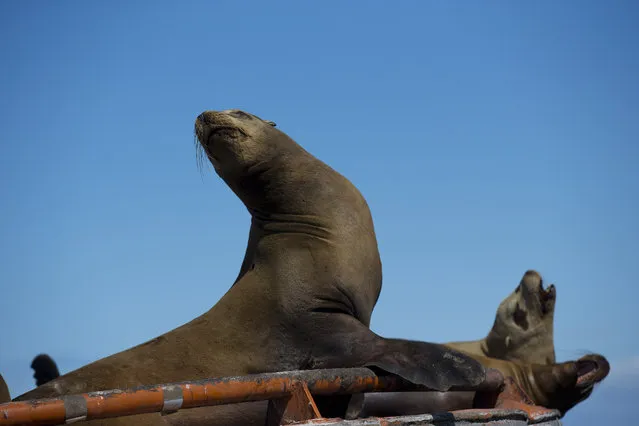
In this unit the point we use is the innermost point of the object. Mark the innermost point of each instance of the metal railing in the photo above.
(290, 396)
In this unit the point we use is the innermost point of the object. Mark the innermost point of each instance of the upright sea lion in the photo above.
(45, 369)
(523, 327)
(306, 289)
(5, 396)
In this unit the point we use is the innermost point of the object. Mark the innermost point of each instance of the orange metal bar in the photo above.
(138, 401)
(171, 397)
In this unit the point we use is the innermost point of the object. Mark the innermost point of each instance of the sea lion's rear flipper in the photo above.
(346, 342)
(564, 385)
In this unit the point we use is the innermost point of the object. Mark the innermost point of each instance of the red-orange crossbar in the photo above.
(175, 396)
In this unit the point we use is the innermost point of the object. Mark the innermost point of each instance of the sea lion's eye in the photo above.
(272, 123)
(226, 132)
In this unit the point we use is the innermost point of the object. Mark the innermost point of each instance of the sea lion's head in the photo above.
(562, 386)
(523, 327)
(235, 141)
(45, 369)
(255, 159)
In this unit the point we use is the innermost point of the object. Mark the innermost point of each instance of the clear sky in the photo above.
(488, 138)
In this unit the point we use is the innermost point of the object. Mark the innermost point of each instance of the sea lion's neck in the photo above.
(282, 223)
(536, 346)
(301, 195)
(496, 345)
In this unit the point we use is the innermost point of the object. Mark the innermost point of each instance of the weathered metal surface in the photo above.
(512, 407)
(512, 397)
(299, 406)
(228, 390)
(290, 400)
(492, 417)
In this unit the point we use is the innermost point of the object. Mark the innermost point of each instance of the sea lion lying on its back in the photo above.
(520, 345)
(303, 298)
(523, 333)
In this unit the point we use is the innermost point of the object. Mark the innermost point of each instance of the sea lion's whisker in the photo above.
(200, 154)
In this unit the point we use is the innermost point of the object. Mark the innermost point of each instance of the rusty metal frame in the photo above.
(290, 396)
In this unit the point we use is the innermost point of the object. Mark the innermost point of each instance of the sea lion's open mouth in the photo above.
(546, 296)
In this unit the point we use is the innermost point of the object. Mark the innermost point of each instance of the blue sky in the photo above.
(488, 138)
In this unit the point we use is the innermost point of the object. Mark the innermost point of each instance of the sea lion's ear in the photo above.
(272, 123)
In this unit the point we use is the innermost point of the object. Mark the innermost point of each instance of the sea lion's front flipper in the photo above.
(346, 342)
(429, 364)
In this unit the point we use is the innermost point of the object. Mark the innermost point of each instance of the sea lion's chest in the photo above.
(309, 273)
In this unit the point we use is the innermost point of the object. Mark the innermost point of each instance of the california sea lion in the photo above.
(523, 333)
(306, 289)
(5, 396)
(556, 386)
(523, 327)
(45, 369)
(520, 345)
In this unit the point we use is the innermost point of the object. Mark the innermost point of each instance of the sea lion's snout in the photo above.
(202, 131)
(204, 124)
(235, 141)
(531, 280)
(532, 288)
(212, 127)
(531, 273)
(229, 125)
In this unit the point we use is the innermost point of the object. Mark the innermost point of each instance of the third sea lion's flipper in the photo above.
(564, 385)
